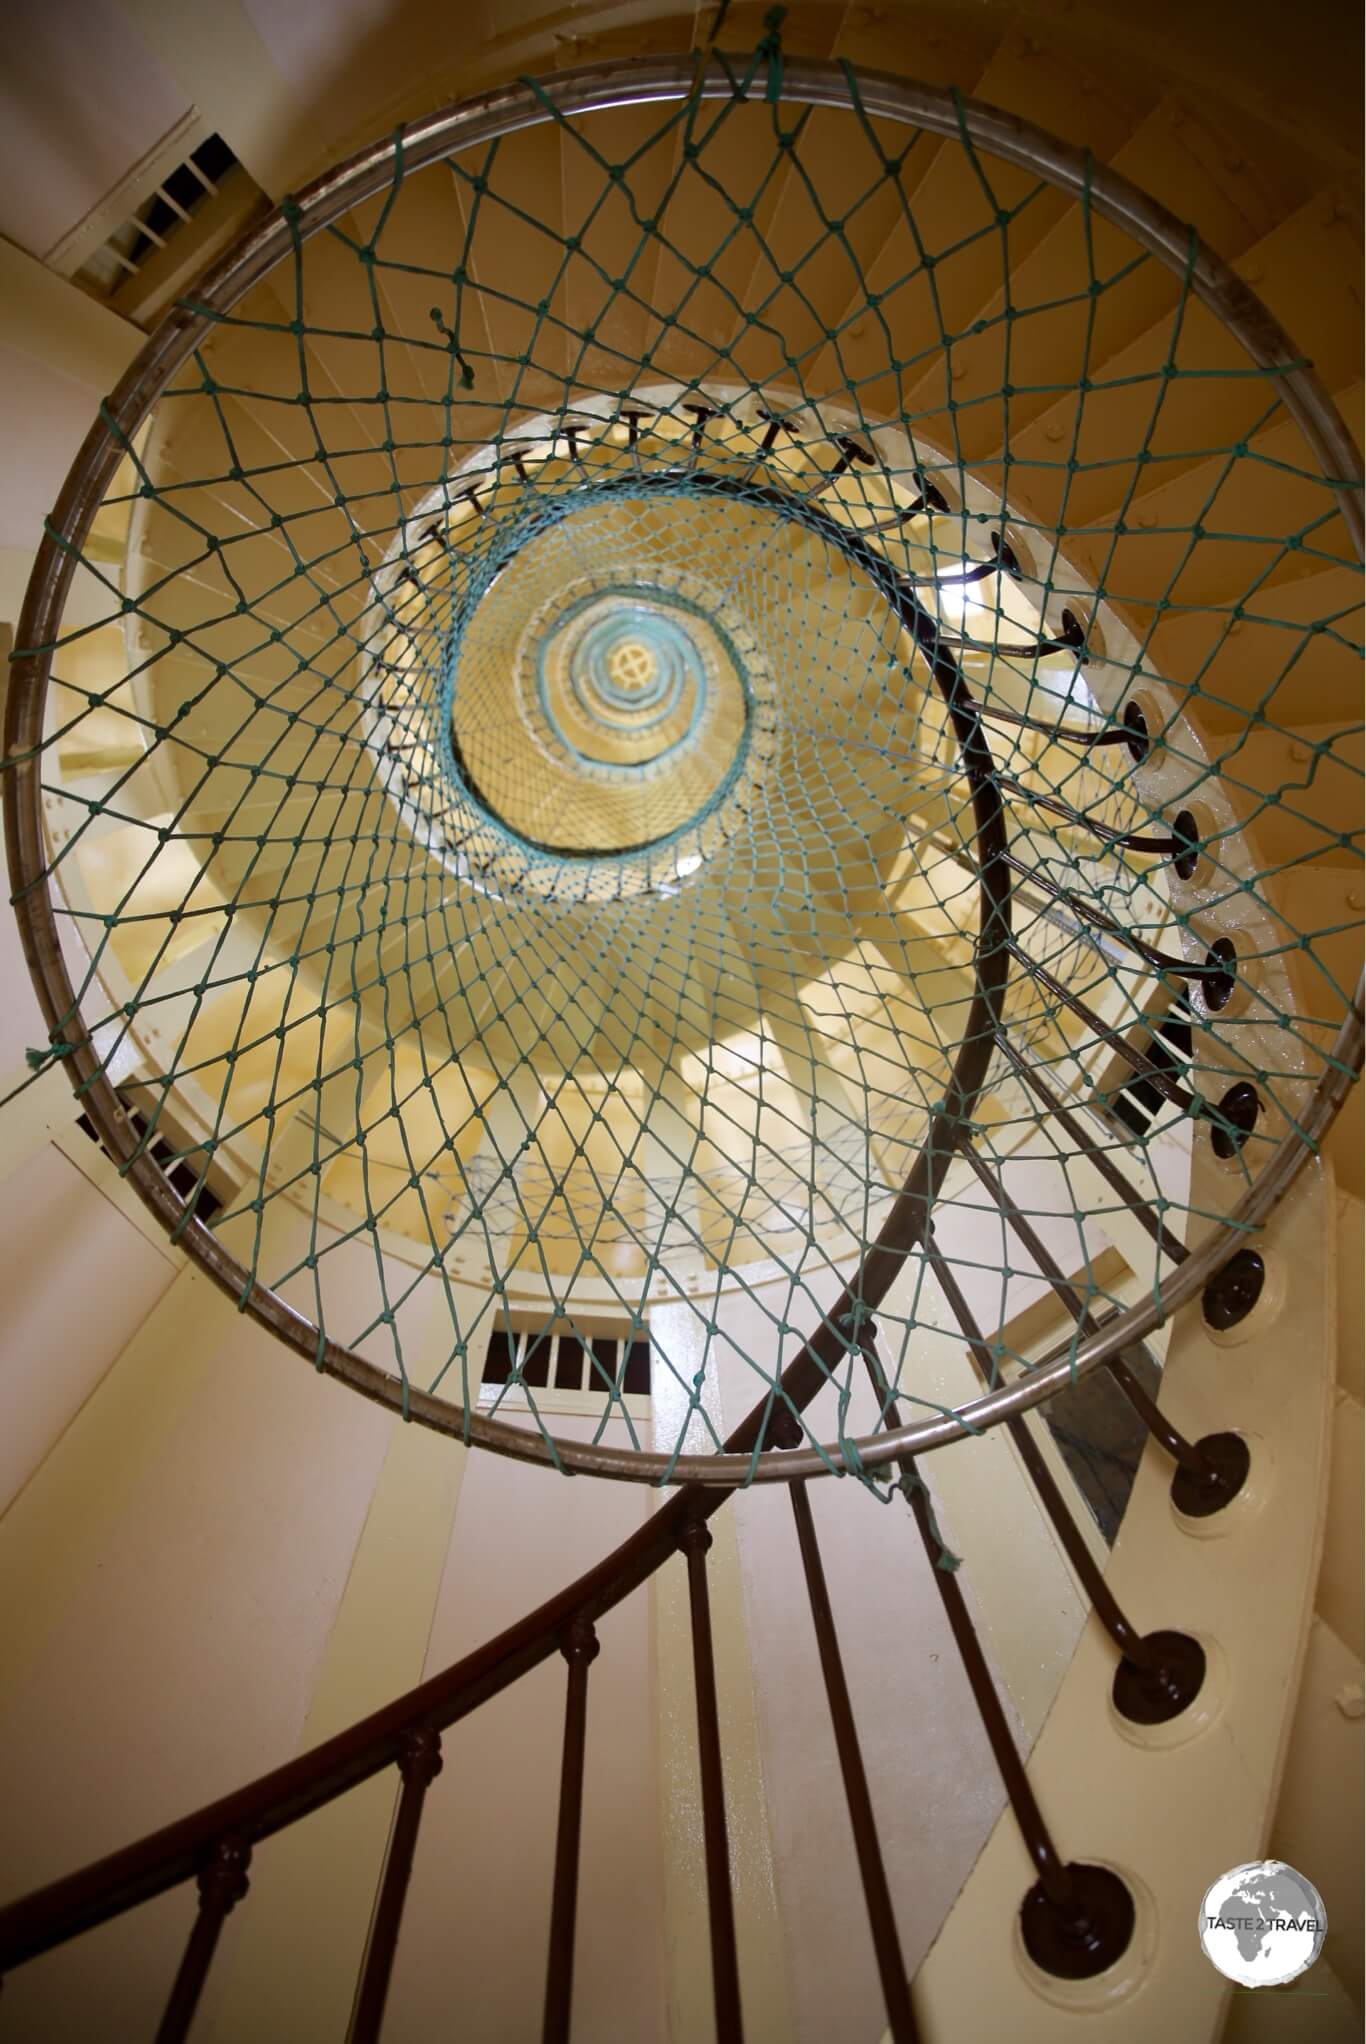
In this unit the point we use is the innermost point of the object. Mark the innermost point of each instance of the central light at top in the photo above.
(631, 667)
(625, 676)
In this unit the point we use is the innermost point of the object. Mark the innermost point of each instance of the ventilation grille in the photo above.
(159, 220)
(183, 1175)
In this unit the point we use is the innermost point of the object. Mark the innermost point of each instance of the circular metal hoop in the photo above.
(482, 120)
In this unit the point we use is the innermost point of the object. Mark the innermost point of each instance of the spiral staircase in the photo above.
(714, 698)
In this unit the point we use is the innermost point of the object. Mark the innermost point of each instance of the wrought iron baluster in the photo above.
(891, 1966)
(962, 577)
(1160, 1673)
(701, 416)
(1206, 1473)
(1189, 1103)
(1059, 734)
(1150, 1221)
(1071, 639)
(222, 1884)
(1098, 920)
(724, 1962)
(1129, 841)
(850, 452)
(773, 426)
(633, 416)
(930, 498)
(419, 1764)
(1076, 1919)
(580, 1649)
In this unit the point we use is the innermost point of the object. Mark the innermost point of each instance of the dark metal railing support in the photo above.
(580, 1649)
(1150, 1221)
(876, 1893)
(1077, 1919)
(1154, 1419)
(419, 1764)
(1115, 840)
(222, 1884)
(1189, 1103)
(720, 1906)
(1160, 1673)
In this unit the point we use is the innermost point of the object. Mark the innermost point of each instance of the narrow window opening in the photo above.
(585, 1375)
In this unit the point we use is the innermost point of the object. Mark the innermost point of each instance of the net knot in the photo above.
(770, 50)
(860, 1323)
(38, 1060)
(851, 1458)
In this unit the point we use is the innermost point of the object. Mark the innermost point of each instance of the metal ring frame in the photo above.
(590, 89)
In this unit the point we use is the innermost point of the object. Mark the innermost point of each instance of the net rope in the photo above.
(511, 856)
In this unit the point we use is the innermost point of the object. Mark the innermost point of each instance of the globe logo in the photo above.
(1262, 1924)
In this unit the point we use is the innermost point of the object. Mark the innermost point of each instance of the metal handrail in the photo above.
(177, 1852)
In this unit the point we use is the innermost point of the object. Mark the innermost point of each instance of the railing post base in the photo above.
(1168, 1685)
(1227, 1459)
(1079, 1948)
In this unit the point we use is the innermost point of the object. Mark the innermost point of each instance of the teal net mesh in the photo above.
(513, 861)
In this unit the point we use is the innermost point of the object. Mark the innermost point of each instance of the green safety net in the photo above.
(511, 855)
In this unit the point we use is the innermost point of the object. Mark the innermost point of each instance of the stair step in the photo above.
(1301, 794)
(1178, 158)
(1306, 273)
(609, 279)
(952, 201)
(1265, 517)
(1294, 655)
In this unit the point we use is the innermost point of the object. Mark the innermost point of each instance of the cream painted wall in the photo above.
(1324, 1759)
(60, 353)
(472, 1961)
(298, 1589)
(936, 1788)
(292, 1965)
(222, 1560)
(761, 1942)
(38, 405)
(88, 1281)
(169, 1580)
(1174, 1806)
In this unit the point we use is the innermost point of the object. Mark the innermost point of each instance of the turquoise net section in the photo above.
(502, 848)
(641, 656)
